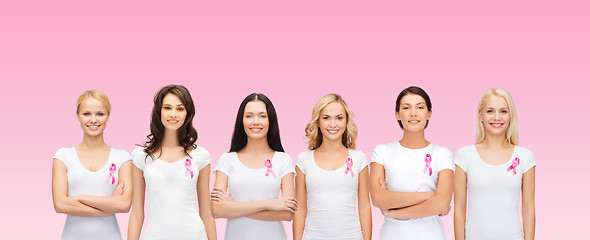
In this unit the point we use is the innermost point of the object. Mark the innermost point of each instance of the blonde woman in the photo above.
(495, 173)
(332, 177)
(92, 181)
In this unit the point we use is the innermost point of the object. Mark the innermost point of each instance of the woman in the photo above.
(412, 179)
(91, 181)
(331, 177)
(254, 171)
(172, 168)
(494, 173)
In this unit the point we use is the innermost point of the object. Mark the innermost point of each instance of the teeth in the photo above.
(332, 131)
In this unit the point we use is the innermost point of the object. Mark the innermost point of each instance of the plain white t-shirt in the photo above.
(247, 185)
(82, 181)
(332, 198)
(493, 193)
(172, 195)
(406, 171)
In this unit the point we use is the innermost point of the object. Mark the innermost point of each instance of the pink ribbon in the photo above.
(349, 167)
(111, 176)
(188, 164)
(515, 163)
(268, 165)
(428, 160)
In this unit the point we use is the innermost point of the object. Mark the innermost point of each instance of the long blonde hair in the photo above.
(313, 133)
(512, 131)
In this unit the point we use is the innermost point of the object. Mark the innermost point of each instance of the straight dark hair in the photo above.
(412, 90)
(187, 135)
(240, 139)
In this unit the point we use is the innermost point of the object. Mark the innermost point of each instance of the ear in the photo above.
(429, 115)
(397, 116)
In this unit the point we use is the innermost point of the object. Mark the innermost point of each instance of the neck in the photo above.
(495, 142)
(257, 146)
(170, 138)
(414, 140)
(331, 145)
(93, 142)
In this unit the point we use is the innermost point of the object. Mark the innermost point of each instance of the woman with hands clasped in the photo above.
(91, 181)
(254, 171)
(411, 179)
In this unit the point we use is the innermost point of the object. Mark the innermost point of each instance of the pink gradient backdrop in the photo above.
(51, 51)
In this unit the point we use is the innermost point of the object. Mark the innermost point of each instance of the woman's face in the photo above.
(413, 113)
(173, 112)
(495, 115)
(256, 120)
(332, 121)
(93, 117)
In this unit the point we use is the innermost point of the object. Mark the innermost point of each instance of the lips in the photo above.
(333, 131)
(93, 127)
(497, 125)
(414, 121)
(255, 129)
(172, 121)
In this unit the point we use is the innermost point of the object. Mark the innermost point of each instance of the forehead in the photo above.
(333, 108)
(92, 104)
(171, 99)
(255, 106)
(412, 99)
(494, 101)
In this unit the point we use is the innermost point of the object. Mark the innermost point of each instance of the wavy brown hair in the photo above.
(187, 135)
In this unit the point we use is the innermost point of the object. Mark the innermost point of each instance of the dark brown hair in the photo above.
(412, 90)
(187, 135)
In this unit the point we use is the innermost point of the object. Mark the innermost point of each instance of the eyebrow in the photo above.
(411, 104)
(253, 113)
(167, 104)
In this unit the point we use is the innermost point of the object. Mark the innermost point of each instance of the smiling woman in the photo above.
(78, 184)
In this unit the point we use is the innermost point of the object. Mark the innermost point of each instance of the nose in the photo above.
(256, 119)
(497, 115)
(413, 111)
(93, 118)
(333, 123)
(173, 113)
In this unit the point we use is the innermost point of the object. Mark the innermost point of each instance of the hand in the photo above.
(382, 183)
(119, 189)
(219, 195)
(283, 204)
(445, 211)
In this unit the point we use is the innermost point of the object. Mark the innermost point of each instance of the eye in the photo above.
(248, 116)
(490, 111)
(180, 109)
(325, 117)
(405, 108)
(421, 107)
(263, 116)
(504, 111)
(167, 108)
(86, 114)
(340, 118)
(100, 114)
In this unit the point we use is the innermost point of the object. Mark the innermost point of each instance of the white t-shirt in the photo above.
(407, 170)
(171, 189)
(493, 193)
(332, 198)
(82, 181)
(247, 185)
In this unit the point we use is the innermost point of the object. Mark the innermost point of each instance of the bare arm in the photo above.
(287, 191)
(364, 204)
(205, 202)
(301, 213)
(119, 201)
(224, 207)
(137, 210)
(385, 199)
(438, 205)
(61, 202)
(528, 204)
(460, 202)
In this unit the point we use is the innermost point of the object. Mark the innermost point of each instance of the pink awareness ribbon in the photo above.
(515, 163)
(269, 170)
(111, 176)
(428, 160)
(188, 164)
(349, 167)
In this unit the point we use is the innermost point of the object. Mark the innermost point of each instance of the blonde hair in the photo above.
(96, 94)
(313, 133)
(512, 131)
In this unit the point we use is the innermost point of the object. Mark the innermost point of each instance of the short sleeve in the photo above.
(461, 158)
(301, 159)
(378, 155)
(138, 156)
(61, 155)
(528, 160)
(361, 159)
(223, 164)
(202, 157)
(286, 165)
(445, 159)
(122, 157)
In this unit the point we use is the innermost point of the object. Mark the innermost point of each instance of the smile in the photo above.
(172, 121)
(255, 129)
(497, 125)
(93, 127)
(333, 131)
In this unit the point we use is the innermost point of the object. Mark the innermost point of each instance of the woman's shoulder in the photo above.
(138, 151)
(357, 153)
(438, 149)
(282, 156)
(465, 150)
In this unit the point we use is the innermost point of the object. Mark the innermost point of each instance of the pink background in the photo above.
(51, 51)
